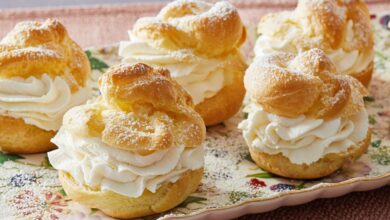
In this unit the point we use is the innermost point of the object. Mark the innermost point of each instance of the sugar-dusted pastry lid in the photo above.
(290, 85)
(35, 48)
(141, 110)
(209, 29)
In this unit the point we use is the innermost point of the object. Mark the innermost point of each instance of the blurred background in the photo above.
(51, 3)
(105, 22)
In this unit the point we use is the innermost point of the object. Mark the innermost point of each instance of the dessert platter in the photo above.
(180, 122)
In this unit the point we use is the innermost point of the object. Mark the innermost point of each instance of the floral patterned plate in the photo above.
(232, 185)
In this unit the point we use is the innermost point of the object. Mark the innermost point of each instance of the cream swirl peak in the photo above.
(93, 163)
(201, 77)
(302, 140)
(40, 102)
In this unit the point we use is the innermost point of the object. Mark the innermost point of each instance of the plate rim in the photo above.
(354, 183)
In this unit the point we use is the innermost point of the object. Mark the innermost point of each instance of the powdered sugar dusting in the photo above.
(36, 52)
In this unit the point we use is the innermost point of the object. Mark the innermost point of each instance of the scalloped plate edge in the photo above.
(292, 198)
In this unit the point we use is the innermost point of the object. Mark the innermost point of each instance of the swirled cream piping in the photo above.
(40, 102)
(293, 38)
(95, 164)
(302, 140)
(202, 78)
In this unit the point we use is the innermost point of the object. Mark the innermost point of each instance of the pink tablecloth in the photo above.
(101, 25)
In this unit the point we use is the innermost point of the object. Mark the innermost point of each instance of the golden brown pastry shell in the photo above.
(168, 196)
(20, 138)
(227, 101)
(365, 76)
(281, 165)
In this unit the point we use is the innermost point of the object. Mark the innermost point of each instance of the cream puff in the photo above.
(136, 150)
(341, 28)
(43, 73)
(304, 120)
(198, 42)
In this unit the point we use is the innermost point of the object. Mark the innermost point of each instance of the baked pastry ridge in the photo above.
(43, 73)
(198, 42)
(341, 28)
(303, 120)
(135, 151)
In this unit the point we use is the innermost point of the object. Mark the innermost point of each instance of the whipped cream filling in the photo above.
(202, 78)
(284, 39)
(302, 140)
(95, 164)
(40, 102)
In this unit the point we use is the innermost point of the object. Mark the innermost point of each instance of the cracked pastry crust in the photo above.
(34, 48)
(148, 111)
(290, 85)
